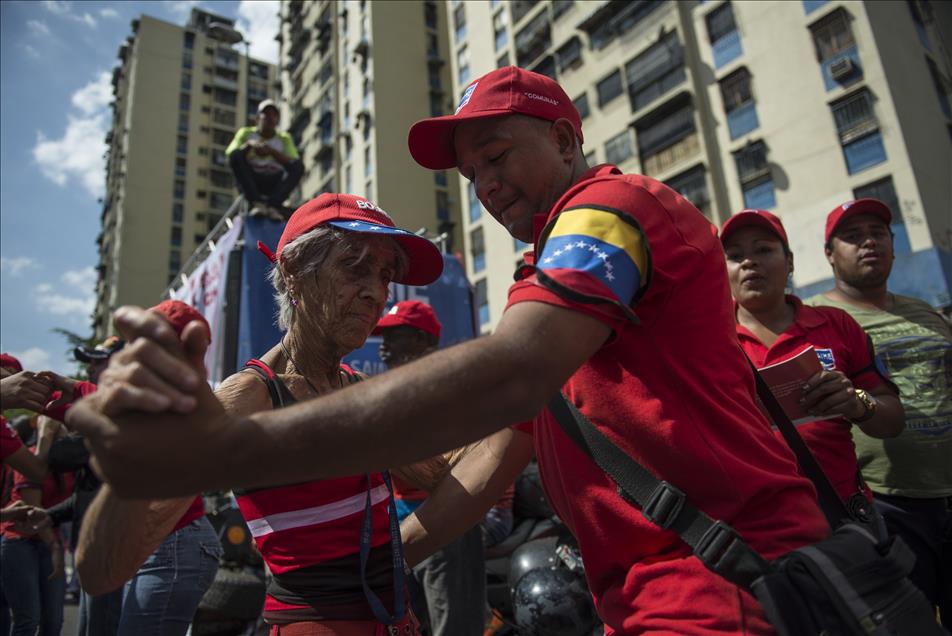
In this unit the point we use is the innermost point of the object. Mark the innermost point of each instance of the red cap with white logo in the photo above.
(505, 91)
(356, 214)
(411, 313)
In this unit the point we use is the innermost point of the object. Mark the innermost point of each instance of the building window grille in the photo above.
(560, 7)
(655, 71)
(832, 35)
(739, 103)
(609, 88)
(858, 130)
(722, 31)
(183, 122)
(664, 130)
(569, 54)
(180, 167)
(482, 301)
(692, 185)
(581, 105)
(756, 181)
(181, 145)
(429, 14)
(533, 39)
(189, 40)
(178, 212)
(221, 137)
(614, 19)
(186, 81)
(619, 148)
(176, 238)
(184, 101)
(520, 8)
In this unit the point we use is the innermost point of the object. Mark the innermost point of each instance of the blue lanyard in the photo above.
(396, 544)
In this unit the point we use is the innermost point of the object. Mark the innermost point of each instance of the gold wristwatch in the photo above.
(869, 402)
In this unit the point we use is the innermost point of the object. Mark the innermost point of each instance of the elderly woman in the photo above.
(773, 326)
(332, 546)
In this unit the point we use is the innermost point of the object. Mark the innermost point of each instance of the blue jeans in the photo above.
(162, 597)
(34, 599)
(99, 615)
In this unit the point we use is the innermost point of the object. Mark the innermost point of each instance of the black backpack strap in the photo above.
(830, 503)
(280, 394)
(716, 544)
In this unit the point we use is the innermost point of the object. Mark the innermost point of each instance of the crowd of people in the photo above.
(366, 495)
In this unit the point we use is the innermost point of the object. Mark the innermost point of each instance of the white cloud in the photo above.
(33, 359)
(52, 302)
(95, 95)
(83, 279)
(258, 20)
(59, 7)
(38, 27)
(78, 154)
(109, 13)
(31, 51)
(65, 10)
(13, 266)
(182, 8)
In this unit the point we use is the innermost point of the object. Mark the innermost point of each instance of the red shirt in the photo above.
(9, 440)
(843, 346)
(672, 389)
(54, 491)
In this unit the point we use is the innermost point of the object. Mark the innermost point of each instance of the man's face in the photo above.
(402, 344)
(861, 251)
(516, 165)
(268, 119)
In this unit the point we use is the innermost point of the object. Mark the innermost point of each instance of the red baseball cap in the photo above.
(875, 207)
(9, 362)
(179, 314)
(505, 91)
(412, 313)
(757, 218)
(356, 214)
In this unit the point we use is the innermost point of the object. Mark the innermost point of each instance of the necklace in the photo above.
(301, 373)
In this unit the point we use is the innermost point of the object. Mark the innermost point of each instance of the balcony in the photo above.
(230, 63)
(224, 82)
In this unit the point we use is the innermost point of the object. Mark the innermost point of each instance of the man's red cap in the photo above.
(412, 313)
(505, 91)
(356, 214)
(9, 362)
(180, 314)
(757, 218)
(874, 207)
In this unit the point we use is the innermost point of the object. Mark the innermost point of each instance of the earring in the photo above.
(294, 301)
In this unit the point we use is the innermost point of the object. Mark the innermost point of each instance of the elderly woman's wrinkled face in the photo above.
(345, 298)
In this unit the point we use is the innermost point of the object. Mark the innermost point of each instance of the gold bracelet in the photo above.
(869, 402)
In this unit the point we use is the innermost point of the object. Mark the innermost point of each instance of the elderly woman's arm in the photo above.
(118, 535)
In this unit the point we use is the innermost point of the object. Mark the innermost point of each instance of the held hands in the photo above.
(830, 393)
(26, 390)
(153, 419)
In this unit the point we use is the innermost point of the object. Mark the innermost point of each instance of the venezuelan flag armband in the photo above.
(595, 255)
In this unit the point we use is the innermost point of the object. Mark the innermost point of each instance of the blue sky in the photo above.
(56, 60)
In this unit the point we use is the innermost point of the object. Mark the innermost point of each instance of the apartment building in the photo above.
(180, 93)
(789, 106)
(355, 75)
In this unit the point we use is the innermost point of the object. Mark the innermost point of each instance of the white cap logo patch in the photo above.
(394, 310)
(466, 96)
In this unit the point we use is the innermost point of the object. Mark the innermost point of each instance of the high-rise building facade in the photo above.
(794, 107)
(355, 75)
(180, 93)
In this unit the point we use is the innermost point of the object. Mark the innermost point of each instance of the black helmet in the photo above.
(529, 499)
(553, 602)
(531, 555)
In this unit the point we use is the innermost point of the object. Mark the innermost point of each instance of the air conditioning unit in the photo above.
(841, 69)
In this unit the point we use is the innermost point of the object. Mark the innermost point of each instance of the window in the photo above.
(366, 94)
(859, 131)
(368, 164)
(692, 185)
(667, 137)
(178, 212)
(809, 6)
(655, 71)
(482, 301)
(225, 97)
(832, 35)
(581, 105)
(613, 19)
(175, 261)
(475, 208)
(176, 238)
(183, 122)
(500, 32)
(221, 137)
(186, 81)
(722, 31)
(439, 177)
(885, 191)
(477, 249)
(559, 7)
(520, 8)
(570, 54)
(442, 206)
(224, 117)
(739, 103)
(755, 178)
(533, 39)
(221, 179)
(462, 64)
(436, 105)
(459, 22)
(429, 14)
(184, 101)
(619, 148)
(219, 158)
(503, 61)
(181, 144)
(609, 88)
(180, 166)
(219, 201)
(187, 59)
(189, 40)
(546, 66)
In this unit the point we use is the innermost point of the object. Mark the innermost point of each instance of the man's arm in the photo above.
(444, 401)
(463, 497)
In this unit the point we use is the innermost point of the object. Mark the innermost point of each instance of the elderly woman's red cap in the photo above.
(9, 362)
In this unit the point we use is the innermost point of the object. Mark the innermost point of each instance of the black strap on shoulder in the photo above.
(830, 503)
(716, 544)
(280, 394)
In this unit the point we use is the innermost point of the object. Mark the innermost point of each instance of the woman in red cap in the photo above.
(773, 326)
(333, 546)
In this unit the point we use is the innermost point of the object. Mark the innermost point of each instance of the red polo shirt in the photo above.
(843, 346)
(671, 388)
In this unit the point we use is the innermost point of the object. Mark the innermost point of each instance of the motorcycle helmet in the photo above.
(553, 602)
(532, 555)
